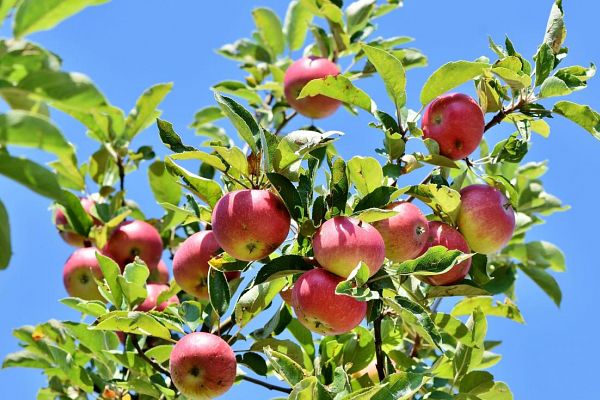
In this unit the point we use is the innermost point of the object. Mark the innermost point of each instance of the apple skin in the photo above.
(190, 264)
(343, 242)
(154, 290)
(135, 238)
(286, 295)
(404, 234)
(486, 218)
(250, 224)
(298, 75)
(320, 309)
(79, 272)
(455, 121)
(159, 274)
(202, 366)
(441, 234)
(61, 222)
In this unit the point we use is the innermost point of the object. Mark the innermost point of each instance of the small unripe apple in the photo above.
(80, 272)
(404, 234)
(202, 366)
(486, 218)
(341, 243)
(441, 234)
(320, 309)
(250, 224)
(62, 224)
(159, 274)
(135, 238)
(298, 75)
(455, 121)
(190, 264)
(154, 290)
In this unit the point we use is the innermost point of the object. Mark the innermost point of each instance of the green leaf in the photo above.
(94, 308)
(253, 361)
(133, 282)
(454, 327)
(297, 144)
(309, 389)
(582, 115)
(136, 322)
(400, 385)
(516, 80)
(6, 7)
(206, 189)
(111, 272)
(218, 290)
(544, 280)
(476, 382)
(289, 370)
(419, 316)
(164, 185)
(338, 187)
(145, 111)
(33, 15)
(365, 173)
(355, 350)
(466, 288)
(449, 76)
(242, 120)
(441, 199)
(374, 214)
(235, 158)
(269, 29)
(26, 359)
(378, 198)
(467, 358)
(544, 63)
(282, 266)
(354, 285)
(436, 260)
(256, 299)
(358, 14)
(555, 29)
(500, 391)
(191, 313)
(341, 88)
(286, 347)
(297, 20)
(31, 175)
(289, 195)
(239, 89)
(160, 353)
(170, 138)
(206, 115)
(490, 307)
(539, 253)
(391, 71)
(5, 244)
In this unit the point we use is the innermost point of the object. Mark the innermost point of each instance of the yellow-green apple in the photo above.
(341, 243)
(190, 264)
(320, 309)
(134, 239)
(455, 121)
(202, 366)
(250, 224)
(404, 234)
(80, 272)
(159, 273)
(442, 234)
(298, 75)
(486, 218)
(65, 230)
(154, 290)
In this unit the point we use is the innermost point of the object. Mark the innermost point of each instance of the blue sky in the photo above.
(126, 46)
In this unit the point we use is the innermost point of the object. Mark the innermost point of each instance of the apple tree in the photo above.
(345, 261)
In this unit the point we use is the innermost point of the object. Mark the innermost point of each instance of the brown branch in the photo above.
(224, 327)
(425, 181)
(159, 368)
(285, 121)
(380, 359)
(500, 115)
(265, 384)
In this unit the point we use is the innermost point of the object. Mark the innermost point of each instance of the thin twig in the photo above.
(224, 326)
(159, 368)
(425, 181)
(265, 384)
(285, 121)
(503, 113)
(380, 360)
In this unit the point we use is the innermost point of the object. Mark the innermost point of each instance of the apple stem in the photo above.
(265, 384)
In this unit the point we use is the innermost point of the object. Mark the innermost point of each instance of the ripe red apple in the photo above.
(298, 75)
(202, 366)
(286, 295)
(64, 229)
(154, 290)
(404, 234)
(250, 224)
(320, 309)
(455, 122)
(135, 238)
(441, 234)
(79, 272)
(159, 274)
(341, 243)
(486, 218)
(190, 264)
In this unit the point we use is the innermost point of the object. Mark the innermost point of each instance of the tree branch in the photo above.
(380, 359)
(425, 181)
(265, 384)
(500, 115)
(285, 121)
(159, 368)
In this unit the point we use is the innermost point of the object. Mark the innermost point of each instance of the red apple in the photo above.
(404, 234)
(250, 224)
(202, 366)
(154, 290)
(320, 309)
(441, 234)
(159, 274)
(455, 122)
(62, 224)
(79, 272)
(486, 218)
(286, 295)
(298, 75)
(341, 243)
(190, 264)
(135, 238)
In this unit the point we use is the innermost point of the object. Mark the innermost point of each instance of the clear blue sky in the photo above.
(126, 46)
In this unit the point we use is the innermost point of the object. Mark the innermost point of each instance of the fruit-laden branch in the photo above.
(379, 363)
(265, 384)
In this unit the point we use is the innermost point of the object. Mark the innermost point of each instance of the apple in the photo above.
(486, 218)
(190, 264)
(286, 295)
(404, 234)
(64, 229)
(442, 234)
(80, 272)
(250, 224)
(320, 309)
(341, 243)
(154, 290)
(298, 75)
(202, 366)
(455, 121)
(135, 238)
(159, 274)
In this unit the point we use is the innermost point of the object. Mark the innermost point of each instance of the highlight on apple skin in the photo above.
(190, 264)
(202, 366)
(159, 274)
(442, 234)
(320, 309)
(455, 121)
(486, 218)
(154, 290)
(62, 224)
(134, 238)
(298, 75)
(79, 272)
(250, 224)
(341, 243)
(404, 234)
